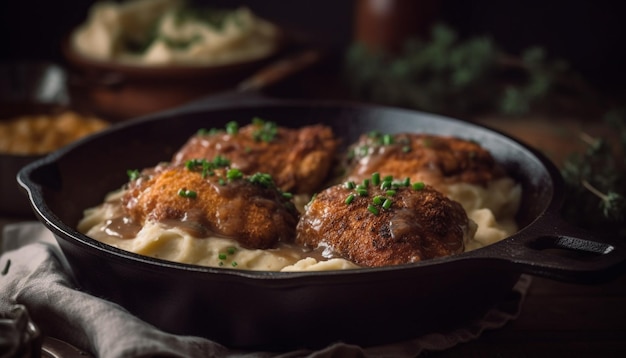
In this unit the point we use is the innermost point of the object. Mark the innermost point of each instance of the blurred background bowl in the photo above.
(27, 89)
(122, 91)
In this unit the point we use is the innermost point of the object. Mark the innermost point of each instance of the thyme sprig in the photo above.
(594, 180)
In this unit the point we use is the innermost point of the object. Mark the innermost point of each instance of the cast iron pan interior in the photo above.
(272, 310)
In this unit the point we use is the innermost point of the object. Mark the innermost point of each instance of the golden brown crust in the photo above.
(422, 157)
(255, 215)
(420, 224)
(299, 160)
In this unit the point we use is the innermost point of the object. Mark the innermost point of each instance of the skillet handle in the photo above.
(555, 249)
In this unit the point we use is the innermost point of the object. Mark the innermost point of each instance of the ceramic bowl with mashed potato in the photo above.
(141, 56)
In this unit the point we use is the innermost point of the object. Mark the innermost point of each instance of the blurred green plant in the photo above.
(595, 180)
(450, 75)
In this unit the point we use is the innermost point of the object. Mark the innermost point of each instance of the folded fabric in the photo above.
(34, 273)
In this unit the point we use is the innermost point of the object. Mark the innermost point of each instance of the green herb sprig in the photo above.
(595, 180)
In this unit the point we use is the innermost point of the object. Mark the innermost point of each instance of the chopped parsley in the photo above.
(387, 184)
(234, 173)
(265, 131)
(133, 174)
(185, 193)
(262, 179)
(232, 127)
(207, 167)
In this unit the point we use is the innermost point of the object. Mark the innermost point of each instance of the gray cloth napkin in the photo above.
(33, 273)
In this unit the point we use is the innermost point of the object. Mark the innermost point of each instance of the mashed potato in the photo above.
(492, 208)
(165, 32)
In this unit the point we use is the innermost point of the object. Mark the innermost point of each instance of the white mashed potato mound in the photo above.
(111, 26)
(492, 208)
(311, 264)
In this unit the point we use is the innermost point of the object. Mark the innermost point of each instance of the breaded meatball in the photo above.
(436, 160)
(299, 160)
(383, 222)
(209, 201)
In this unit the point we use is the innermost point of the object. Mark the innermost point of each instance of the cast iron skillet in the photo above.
(272, 310)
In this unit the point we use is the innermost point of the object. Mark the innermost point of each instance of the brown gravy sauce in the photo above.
(377, 155)
(123, 227)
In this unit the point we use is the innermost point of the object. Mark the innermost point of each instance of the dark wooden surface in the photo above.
(558, 320)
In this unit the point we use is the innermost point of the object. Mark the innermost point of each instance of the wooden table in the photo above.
(558, 320)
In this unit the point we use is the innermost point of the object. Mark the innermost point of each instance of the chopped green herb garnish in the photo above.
(406, 149)
(265, 131)
(385, 185)
(361, 191)
(187, 193)
(387, 204)
(233, 174)
(387, 139)
(205, 166)
(407, 181)
(349, 185)
(232, 127)
(287, 195)
(366, 183)
(376, 178)
(234, 263)
(221, 256)
(231, 250)
(193, 163)
(349, 199)
(133, 174)
(390, 192)
(220, 161)
(419, 185)
(263, 179)
(372, 209)
(378, 200)
(204, 131)
(5, 270)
